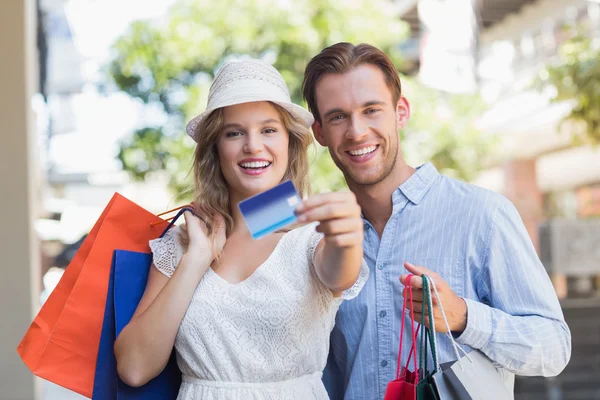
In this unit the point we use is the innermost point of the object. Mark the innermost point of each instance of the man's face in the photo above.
(359, 123)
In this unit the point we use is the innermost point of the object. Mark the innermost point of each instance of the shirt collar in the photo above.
(417, 186)
(414, 189)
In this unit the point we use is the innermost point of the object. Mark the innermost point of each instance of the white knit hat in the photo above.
(246, 81)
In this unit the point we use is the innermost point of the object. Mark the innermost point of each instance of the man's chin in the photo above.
(363, 179)
(362, 176)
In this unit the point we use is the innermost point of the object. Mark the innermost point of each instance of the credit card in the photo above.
(271, 210)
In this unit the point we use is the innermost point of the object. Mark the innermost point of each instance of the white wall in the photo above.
(19, 265)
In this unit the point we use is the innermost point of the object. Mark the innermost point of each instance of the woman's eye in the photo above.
(269, 130)
(233, 134)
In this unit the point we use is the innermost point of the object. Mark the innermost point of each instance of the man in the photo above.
(472, 242)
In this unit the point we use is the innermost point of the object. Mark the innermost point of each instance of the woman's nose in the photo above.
(253, 143)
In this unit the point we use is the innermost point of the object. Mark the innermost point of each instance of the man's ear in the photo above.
(402, 112)
(318, 132)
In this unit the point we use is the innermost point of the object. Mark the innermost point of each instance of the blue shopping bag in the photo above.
(127, 283)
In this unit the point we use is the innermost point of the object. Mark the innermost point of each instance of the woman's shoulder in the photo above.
(168, 250)
(175, 235)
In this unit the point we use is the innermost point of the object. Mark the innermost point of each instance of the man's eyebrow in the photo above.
(332, 111)
(365, 105)
(373, 103)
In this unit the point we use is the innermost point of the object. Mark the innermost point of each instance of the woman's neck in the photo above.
(239, 227)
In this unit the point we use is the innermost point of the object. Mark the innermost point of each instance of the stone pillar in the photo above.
(522, 189)
(19, 268)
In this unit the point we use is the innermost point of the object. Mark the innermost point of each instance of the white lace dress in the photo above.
(265, 338)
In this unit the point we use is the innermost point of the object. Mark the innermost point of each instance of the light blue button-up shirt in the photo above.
(476, 241)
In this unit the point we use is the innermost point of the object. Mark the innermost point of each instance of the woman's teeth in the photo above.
(255, 164)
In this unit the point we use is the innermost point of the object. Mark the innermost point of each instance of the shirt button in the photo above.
(384, 363)
(380, 266)
(382, 314)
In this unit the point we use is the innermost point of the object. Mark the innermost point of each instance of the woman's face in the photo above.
(253, 148)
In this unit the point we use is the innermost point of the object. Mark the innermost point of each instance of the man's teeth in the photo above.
(363, 151)
(255, 164)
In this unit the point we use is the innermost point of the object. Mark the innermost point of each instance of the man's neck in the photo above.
(376, 200)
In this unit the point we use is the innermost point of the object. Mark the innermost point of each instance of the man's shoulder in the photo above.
(469, 196)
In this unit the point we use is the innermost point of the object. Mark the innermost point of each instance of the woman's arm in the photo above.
(144, 346)
(338, 256)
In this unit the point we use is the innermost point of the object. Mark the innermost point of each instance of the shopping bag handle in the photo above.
(413, 349)
(428, 334)
(174, 209)
(412, 331)
(176, 217)
(448, 332)
(190, 207)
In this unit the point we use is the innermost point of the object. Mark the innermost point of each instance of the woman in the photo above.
(249, 319)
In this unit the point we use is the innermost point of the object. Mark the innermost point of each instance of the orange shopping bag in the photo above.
(61, 345)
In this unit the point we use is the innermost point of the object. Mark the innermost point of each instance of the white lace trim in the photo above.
(363, 277)
(167, 251)
(313, 241)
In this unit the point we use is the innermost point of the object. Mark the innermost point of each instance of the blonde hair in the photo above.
(211, 196)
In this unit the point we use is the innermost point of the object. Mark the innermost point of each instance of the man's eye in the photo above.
(337, 117)
(371, 110)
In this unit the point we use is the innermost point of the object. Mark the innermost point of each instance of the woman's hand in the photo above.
(339, 217)
(200, 242)
(338, 256)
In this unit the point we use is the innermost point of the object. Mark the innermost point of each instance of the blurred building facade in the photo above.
(547, 177)
(498, 47)
(59, 169)
(82, 121)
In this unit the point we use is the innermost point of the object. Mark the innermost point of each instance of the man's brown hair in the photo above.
(341, 58)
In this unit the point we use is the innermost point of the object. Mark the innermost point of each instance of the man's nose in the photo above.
(357, 129)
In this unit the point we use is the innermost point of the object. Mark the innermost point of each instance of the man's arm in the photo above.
(518, 322)
(521, 325)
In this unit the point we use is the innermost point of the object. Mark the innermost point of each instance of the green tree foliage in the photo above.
(442, 129)
(576, 77)
(171, 63)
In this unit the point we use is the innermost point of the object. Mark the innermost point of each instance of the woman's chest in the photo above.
(278, 297)
(241, 258)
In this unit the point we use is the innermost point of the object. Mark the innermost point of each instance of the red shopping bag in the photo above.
(404, 387)
(61, 345)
